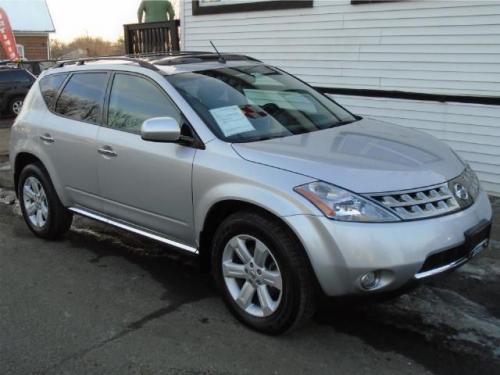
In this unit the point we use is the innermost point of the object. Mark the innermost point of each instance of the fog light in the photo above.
(370, 280)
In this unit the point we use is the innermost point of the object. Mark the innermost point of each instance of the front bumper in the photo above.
(341, 252)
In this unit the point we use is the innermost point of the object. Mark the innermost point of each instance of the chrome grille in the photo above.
(419, 203)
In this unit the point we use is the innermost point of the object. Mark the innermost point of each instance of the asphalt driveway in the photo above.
(101, 301)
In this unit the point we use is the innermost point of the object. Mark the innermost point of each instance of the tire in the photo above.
(287, 307)
(15, 105)
(36, 192)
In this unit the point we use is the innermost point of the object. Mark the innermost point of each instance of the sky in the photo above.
(103, 18)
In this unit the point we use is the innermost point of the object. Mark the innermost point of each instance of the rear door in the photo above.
(68, 133)
(144, 183)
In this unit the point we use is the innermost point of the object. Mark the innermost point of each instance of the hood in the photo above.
(367, 156)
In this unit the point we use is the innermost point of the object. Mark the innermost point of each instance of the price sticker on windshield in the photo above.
(231, 120)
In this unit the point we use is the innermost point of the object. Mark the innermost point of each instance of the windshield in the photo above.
(251, 103)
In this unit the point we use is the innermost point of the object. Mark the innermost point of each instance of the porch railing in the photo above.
(152, 37)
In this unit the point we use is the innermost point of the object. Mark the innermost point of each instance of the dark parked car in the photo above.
(35, 67)
(14, 86)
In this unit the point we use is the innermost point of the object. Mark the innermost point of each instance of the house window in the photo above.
(201, 7)
(20, 51)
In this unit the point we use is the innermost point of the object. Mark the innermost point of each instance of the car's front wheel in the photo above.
(263, 273)
(42, 210)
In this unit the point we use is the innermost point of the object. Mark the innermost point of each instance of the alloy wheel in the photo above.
(35, 202)
(252, 275)
(17, 106)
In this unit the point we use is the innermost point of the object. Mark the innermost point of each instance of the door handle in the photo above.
(47, 138)
(107, 151)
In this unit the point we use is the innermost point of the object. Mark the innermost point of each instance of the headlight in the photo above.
(342, 205)
(472, 182)
(465, 187)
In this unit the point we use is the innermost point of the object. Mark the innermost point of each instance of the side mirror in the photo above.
(161, 129)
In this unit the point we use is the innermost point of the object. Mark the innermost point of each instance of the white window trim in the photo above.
(21, 51)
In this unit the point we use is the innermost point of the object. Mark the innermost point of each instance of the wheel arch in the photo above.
(22, 160)
(23, 156)
(218, 213)
(13, 97)
(221, 210)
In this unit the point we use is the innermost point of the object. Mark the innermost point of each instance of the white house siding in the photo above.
(436, 47)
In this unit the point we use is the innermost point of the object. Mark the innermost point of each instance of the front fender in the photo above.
(224, 176)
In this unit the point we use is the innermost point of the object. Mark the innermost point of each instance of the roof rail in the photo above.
(191, 57)
(165, 54)
(151, 60)
(187, 54)
(141, 62)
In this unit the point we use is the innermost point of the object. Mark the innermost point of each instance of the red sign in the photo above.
(7, 37)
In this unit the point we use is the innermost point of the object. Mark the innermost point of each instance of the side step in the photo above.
(132, 229)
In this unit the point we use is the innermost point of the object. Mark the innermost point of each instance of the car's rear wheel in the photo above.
(263, 273)
(16, 105)
(42, 210)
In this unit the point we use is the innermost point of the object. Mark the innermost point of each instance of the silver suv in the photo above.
(283, 193)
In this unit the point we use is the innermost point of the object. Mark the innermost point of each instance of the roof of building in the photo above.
(28, 15)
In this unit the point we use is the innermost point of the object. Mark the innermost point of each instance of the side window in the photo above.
(50, 86)
(15, 75)
(21, 76)
(83, 96)
(133, 100)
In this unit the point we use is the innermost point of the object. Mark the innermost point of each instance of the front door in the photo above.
(144, 183)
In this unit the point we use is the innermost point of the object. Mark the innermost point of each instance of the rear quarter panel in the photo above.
(25, 135)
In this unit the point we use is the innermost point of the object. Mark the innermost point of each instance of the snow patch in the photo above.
(442, 314)
(5, 167)
(7, 197)
(483, 268)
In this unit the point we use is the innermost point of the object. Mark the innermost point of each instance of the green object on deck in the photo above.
(155, 11)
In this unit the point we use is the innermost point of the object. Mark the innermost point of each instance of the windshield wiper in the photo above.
(345, 122)
(263, 138)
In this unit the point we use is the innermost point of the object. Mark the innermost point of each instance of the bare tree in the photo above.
(93, 46)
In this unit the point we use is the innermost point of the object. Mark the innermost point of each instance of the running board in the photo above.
(132, 229)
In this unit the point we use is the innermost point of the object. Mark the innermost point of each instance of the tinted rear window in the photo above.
(50, 87)
(83, 96)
